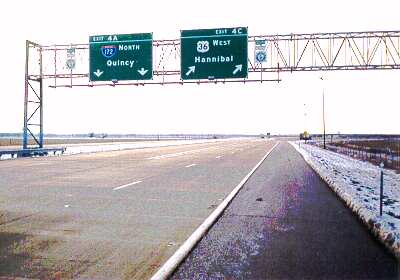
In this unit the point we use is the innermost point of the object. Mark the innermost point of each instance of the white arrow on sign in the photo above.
(142, 71)
(237, 69)
(191, 70)
(98, 73)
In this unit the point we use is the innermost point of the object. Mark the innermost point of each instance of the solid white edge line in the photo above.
(127, 185)
(173, 262)
(191, 165)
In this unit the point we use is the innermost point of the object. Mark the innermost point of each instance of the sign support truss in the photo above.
(370, 50)
(33, 100)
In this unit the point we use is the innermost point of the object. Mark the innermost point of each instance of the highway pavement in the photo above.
(113, 215)
(286, 223)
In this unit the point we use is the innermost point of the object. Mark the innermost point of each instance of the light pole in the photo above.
(323, 109)
(305, 114)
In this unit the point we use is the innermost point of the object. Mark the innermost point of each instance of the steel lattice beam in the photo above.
(378, 50)
(370, 50)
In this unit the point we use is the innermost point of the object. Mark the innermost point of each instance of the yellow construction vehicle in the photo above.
(305, 136)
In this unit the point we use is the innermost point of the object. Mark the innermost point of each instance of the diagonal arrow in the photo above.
(191, 70)
(142, 71)
(98, 73)
(237, 69)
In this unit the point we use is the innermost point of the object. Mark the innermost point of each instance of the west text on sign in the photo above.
(214, 53)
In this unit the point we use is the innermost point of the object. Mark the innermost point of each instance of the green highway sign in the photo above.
(121, 57)
(214, 53)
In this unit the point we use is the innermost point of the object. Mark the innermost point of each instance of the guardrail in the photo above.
(30, 152)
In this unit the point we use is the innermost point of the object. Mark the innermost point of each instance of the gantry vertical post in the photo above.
(41, 97)
(33, 99)
(25, 135)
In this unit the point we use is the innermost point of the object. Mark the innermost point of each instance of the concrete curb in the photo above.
(173, 262)
(370, 221)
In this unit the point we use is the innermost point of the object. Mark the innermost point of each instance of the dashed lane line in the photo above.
(179, 154)
(127, 185)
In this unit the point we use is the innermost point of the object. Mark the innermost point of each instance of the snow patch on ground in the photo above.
(358, 184)
(73, 149)
(92, 148)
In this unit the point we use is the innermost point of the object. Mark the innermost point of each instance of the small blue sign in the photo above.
(261, 43)
(261, 56)
(108, 51)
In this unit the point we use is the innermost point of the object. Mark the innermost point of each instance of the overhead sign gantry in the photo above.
(198, 57)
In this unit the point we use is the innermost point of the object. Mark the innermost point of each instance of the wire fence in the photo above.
(375, 151)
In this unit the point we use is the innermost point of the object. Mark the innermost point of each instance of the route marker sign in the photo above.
(214, 53)
(121, 57)
(70, 63)
(260, 53)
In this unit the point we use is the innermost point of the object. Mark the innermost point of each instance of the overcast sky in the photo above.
(356, 101)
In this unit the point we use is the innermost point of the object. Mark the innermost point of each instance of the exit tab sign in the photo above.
(121, 57)
(214, 53)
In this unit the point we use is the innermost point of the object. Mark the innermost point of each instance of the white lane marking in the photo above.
(179, 154)
(190, 165)
(218, 157)
(127, 185)
(233, 152)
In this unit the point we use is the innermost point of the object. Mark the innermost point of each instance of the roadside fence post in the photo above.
(381, 191)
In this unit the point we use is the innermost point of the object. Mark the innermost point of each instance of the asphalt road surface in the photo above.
(286, 223)
(113, 215)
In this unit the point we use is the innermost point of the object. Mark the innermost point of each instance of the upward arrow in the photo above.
(237, 69)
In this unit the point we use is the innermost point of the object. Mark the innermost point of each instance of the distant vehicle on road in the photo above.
(305, 136)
